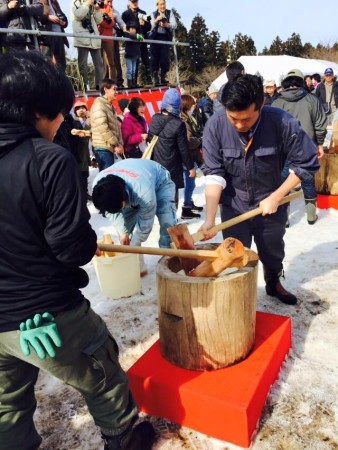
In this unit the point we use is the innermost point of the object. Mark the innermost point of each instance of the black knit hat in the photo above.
(123, 103)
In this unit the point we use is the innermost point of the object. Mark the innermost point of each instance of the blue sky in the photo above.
(262, 20)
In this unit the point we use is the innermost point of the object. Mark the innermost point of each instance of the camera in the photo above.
(62, 17)
(163, 18)
(144, 17)
(106, 18)
(100, 3)
(20, 7)
(87, 24)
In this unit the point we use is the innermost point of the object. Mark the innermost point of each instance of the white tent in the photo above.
(276, 67)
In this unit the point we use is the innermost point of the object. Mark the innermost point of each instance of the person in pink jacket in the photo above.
(134, 129)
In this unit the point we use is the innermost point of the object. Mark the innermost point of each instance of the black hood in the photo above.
(293, 94)
(12, 134)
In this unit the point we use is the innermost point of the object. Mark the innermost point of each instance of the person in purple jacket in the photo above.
(134, 129)
(244, 154)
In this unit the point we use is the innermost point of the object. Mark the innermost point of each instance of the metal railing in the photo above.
(37, 33)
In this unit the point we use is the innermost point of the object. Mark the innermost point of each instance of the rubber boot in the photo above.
(187, 213)
(141, 437)
(130, 84)
(311, 210)
(274, 287)
(195, 208)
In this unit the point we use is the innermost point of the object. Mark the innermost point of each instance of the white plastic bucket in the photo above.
(118, 276)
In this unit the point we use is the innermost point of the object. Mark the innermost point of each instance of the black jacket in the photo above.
(207, 110)
(321, 92)
(129, 16)
(307, 108)
(132, 49)
(19, 18)
(172, 148)
(45, 231)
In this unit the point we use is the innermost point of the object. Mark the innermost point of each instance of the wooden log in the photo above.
(206, 323)
(333, 147)
(326, 179)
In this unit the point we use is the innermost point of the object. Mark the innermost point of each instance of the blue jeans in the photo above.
(104, 158)
(308, 186)
(165, 212)
(189, 186)
(131, 67)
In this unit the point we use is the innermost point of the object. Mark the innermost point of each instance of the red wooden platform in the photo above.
(225, 404)
(327, 201)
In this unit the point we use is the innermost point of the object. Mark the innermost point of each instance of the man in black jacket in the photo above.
(17, 15)
(136, 15)
(46, 237)
(56, 21)
(327, 91)
(307, 109)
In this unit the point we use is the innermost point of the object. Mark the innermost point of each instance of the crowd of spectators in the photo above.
(92, 18)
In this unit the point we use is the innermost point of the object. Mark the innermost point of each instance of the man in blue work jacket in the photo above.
(245, 148)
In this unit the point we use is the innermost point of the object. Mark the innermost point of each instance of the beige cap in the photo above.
(212, 89)
(270, 83)
(294, 73)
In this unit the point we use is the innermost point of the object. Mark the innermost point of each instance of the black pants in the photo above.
(57, 49)
(159, 59)
(145, 61)
(267, 231)
(117, 61)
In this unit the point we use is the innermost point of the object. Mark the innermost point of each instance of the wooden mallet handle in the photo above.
(203, 255)
(198, 236)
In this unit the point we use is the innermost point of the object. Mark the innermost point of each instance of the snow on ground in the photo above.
(301, 412)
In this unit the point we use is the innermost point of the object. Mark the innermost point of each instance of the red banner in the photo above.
(151, 97)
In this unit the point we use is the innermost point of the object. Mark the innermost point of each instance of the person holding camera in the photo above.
(140, 17)
(107, 46)
(17, 15)
(55, 21)
(86, 18)
(163, 24)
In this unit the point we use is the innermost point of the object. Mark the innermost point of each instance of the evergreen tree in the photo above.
(307, 50)
(212, 48)
(293, 45)
(265, 51)
(224, 54)
(198, 36)
(277, 47)
(242, 45)
(181, 35)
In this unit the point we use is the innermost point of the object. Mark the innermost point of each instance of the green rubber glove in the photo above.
(42, 334)
(139, 37)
